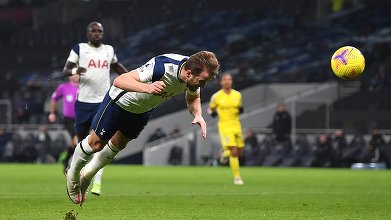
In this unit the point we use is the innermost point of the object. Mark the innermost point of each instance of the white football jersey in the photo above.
(160, 68)
(95, 82)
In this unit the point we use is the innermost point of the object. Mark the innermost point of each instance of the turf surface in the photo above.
(133, 192)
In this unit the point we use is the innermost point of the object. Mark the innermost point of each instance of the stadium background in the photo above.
(277, 51)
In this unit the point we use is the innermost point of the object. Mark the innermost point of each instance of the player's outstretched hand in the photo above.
(201, 122)
(156, 87)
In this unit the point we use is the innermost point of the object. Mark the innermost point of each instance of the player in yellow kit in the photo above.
(227, 105)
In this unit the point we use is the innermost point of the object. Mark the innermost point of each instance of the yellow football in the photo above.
(347, 62)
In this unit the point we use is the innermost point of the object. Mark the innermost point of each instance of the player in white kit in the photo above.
(93, 62)
(127, 108)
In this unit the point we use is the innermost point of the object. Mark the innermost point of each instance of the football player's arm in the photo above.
(52, 114)
(193, 101)
(212, 112)
(118, 68)
(71, 69)
(212, 107)
(53, 101)
(241, 110)
(131, 82)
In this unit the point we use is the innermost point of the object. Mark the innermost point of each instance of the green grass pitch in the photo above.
(133, 192)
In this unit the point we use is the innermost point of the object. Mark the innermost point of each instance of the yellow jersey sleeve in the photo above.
(213, 102)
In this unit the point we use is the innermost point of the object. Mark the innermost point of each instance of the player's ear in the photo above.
(188, 74)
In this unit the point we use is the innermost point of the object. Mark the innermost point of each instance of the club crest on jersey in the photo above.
(146, 66)
(98, 64)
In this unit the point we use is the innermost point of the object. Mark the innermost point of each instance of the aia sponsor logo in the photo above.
(103, 64)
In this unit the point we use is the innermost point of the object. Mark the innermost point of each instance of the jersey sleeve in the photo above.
(58, 93)
(74, 54)
(213, 102)
(145, 72)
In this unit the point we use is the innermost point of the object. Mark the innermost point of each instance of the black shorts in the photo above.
(69, 124)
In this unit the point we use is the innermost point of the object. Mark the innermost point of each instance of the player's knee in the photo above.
(234, 152)
(119, 140)
(96, 143)
(119, 144)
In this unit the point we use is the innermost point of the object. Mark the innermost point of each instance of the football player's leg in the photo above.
(82, 154)
(83, 150)
(237, 151)
(234, 161)
(87, 146)
(70, 127)
(224, 155)
(225, 151)
(104, 125)
(98, 145)
(129, 127)
(126, 126)
(234, 164)
(105, 156)
(228, 140)
(101, 159)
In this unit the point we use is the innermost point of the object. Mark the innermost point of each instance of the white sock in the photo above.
(81, 156)
(100, 159)
(98, 177)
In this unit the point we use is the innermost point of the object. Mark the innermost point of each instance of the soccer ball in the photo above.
(347, 62)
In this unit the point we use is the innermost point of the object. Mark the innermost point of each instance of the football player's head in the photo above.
(95, 33)
(226, 81)
(200, 68)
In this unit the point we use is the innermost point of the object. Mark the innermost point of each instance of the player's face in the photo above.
(95, 34)
(200, 80)
(74, 78)
(226, 82)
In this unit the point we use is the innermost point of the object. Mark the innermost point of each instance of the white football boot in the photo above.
(238, 181)
(73, 190)
(84, 185)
